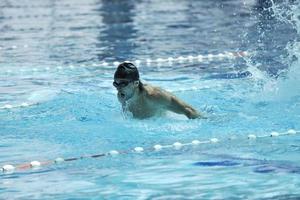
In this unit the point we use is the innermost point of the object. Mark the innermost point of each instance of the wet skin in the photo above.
(150, 101)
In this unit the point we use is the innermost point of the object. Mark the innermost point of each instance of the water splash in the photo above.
(285, 85)
(288, 85)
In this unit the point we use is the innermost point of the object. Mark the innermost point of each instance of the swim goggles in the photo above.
(121, 84)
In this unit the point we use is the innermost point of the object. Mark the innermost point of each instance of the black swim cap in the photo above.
(128, 71)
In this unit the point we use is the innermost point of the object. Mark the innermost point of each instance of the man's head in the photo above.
(126, 80)
(127, 71)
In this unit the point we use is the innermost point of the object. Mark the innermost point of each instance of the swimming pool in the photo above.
(57, 60)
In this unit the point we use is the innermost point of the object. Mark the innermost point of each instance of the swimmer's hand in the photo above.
(193, 114)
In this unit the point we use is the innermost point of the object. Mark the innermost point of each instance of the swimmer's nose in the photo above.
(119, 90)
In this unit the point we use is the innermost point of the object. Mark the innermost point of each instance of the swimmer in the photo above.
(144, 100)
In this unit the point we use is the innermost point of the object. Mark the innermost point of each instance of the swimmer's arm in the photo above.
(176, 105)
(180, 107)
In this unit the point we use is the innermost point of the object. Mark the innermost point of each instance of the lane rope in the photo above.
(9, 168)
(147, 62)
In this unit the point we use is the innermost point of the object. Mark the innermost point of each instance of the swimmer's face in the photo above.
(125, 87)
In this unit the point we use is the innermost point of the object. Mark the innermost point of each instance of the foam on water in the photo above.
(286, 85)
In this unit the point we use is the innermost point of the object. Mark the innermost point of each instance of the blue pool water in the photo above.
(57, 99)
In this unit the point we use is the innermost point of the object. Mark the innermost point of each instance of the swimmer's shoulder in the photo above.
(156, 93)
(152, 91)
